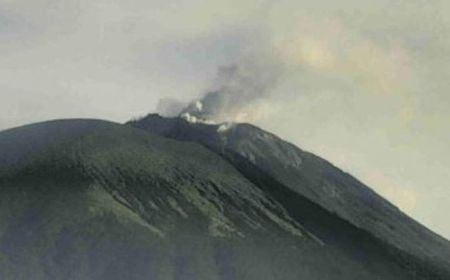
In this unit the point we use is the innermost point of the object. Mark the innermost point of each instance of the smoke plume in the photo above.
(170, 107)
(236, 92)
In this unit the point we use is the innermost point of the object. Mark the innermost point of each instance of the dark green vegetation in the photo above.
(89, 199)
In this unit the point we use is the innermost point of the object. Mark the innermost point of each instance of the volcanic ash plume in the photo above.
(236, 93)
(170, 107)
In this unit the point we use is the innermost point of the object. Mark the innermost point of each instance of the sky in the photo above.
(364, 84)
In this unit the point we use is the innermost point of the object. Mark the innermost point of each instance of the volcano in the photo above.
(164, 198)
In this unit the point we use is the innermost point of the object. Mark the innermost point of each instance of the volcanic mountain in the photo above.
(165, 198)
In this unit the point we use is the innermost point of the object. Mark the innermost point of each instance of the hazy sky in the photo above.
(364, 84)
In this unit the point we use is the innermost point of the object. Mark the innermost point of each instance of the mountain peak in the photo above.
(165, 199)
(307, 175)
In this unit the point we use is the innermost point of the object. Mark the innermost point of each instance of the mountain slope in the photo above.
(248, 147)
(90, 199)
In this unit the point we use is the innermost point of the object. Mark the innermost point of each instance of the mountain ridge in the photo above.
(111, 201)
(236, 139)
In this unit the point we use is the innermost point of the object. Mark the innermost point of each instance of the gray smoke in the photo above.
(236, 91)
(170, 107)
